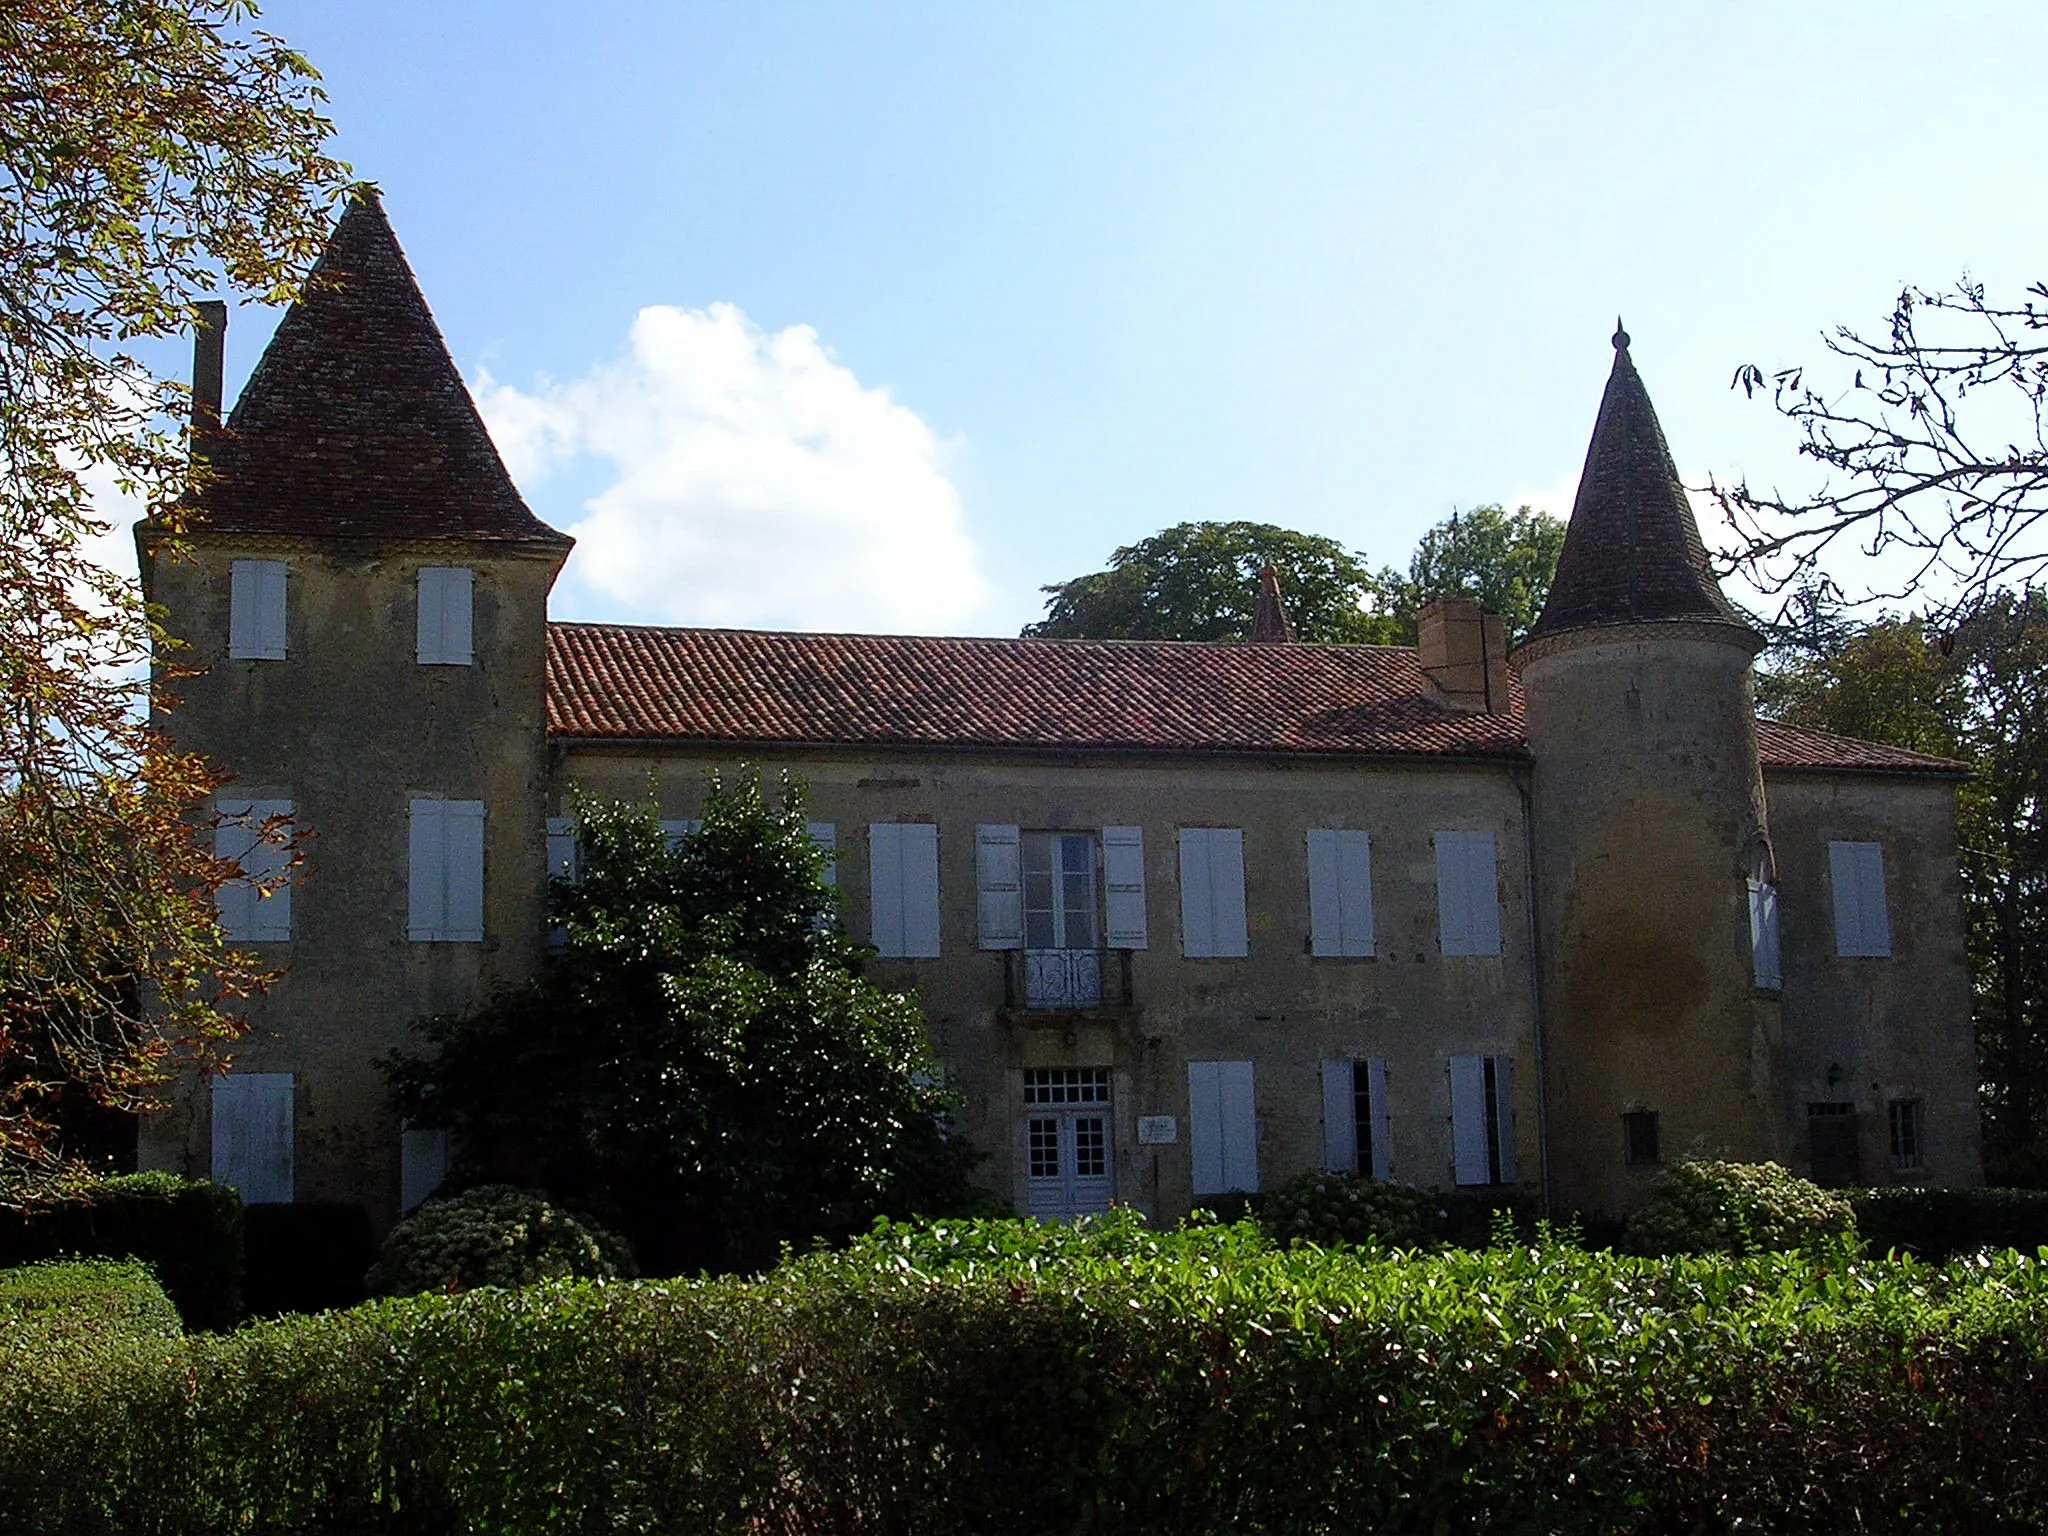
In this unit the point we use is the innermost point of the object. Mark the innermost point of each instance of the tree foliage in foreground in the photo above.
(152, 152)
(701, 1064)
(1200, 581)
(1930, 436)
(1978, 692)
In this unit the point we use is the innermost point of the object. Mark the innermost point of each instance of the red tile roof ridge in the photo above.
(938, 639)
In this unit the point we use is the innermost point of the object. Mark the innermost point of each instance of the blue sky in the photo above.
(882, 315)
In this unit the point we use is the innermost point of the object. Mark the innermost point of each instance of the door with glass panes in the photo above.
(1062, 966)
(1067, 1141)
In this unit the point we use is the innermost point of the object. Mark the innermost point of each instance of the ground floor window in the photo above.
(1831, 1134)
(1907, 1139)
(1355, 1116)
(1639, 1137)
(1483, 1119)
(1069, 1163)
(252, 1135)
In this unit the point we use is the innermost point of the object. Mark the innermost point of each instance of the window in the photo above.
(565, 861)
(826, 836)
(1856, 875)
(256, 610)
(252, 1135)
(1483, 1119)
(1907, 1143)
(903, 888)
(1339, 892)
(1212, 924)
(1763, 934)
(446, 602)
(1831, 1132)
(1355, 1117)
(1039, 890)
(1068, 1158)
(673, 832)
(1639, 1138)
(258, 906)
(1467, 894)
(422, 1164)
(1223, 1127)
(1059, 890)
(447, 873)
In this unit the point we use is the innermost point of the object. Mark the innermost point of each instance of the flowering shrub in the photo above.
(1333, 1209)
(492, 1235)
(1713, 1207)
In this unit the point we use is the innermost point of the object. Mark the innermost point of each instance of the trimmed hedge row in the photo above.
(83, 1301)
(1006, 1377)
(1941, 1223)
(188, 1230)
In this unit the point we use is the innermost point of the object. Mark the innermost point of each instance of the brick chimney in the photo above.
(1464, 651)
(209, 360)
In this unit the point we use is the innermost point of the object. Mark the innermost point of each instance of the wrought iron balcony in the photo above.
(1067, 980)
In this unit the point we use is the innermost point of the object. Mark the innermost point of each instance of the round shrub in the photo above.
(493, 1235)
(1715, 1207)
(1330, 1209)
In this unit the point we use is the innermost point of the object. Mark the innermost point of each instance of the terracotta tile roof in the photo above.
(1632, 551)
(355, 423)
(1794, 747)
(742, 686)
(754, 687)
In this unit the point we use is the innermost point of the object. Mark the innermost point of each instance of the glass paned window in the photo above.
(1045, 1148)
(1091, 1147)
(1639, 1136)
(1059, 890)
(1906, 1135)
(1066, 1085)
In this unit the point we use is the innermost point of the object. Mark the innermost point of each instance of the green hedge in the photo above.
(188, 1230)
(1942, 1223)
(1000, 1376)
(71, 1301)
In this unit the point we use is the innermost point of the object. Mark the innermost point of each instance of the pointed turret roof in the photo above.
(1270, 623)
(356, 423)
(1632, 552)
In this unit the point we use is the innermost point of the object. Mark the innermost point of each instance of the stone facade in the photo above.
(1501, 925)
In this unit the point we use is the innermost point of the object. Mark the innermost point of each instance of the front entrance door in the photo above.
(1068, 1160)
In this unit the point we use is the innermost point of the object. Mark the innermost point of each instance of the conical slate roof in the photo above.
(1632, 552)
(356, 423)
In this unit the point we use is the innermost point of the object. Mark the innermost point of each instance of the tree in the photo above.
(1978, 693)
(1504, 559)
(701, 1064)
(1200, 581)
(151, 152)
(1932, 450)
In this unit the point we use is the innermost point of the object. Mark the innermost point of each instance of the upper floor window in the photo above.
(445, 605)
(447, 871)
(903, 889)
(1339, 891)
(1048, 891)
(253, 833)
(256, 610)
(1059, 890)
(1212, 921)
(1467, 894)
(1856, 876)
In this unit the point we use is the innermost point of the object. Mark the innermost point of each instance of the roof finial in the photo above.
(1620, 336)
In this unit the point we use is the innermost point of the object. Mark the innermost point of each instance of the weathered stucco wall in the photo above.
(1871, 1030)
(1279, 1008)
(1648, 816)
(350, 727)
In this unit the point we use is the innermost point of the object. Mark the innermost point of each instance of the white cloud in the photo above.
(754, 480)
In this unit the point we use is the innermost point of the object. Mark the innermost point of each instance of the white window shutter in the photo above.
(446, 600)
(422, 1164)
(920, 890)
(826, 836)
(1862, 923)
(1222, 1127)
(259, 906)
(1468, 894)
(1340, 1116)
(1504, 1113)
(256, 604)
(1197, 895)
(252, 1135)
(1376, 1079)
(232, 839)
(1763, 933)
(999, 886)
(1123, 886)
(885, 887)
(1325, 902)
(1469, 1161)
(1226, 884)
(673, 832)
(465, 910)
(427, 875)
(562, 860)
(1340, 891)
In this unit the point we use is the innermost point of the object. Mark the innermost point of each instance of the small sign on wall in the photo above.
(1157, 1130)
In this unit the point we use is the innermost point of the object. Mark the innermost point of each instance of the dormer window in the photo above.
(256, 610)
(445, 631)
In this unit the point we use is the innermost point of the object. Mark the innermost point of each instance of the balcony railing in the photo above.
(1067, 980)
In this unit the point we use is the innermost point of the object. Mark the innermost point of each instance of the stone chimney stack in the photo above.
(209, 364)
(1270, 623)
(1464, 651)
